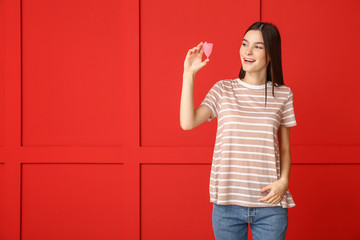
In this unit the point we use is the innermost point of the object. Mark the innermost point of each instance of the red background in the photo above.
(91, 145)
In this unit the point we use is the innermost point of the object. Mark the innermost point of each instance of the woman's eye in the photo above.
(244, 44)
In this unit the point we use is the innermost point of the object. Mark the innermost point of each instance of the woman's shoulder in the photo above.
(282, 87)
(223, 84)
(226, 83)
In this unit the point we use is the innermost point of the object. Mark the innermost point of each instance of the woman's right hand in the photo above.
(193, 58)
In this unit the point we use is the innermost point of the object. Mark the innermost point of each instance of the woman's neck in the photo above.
(255, 78)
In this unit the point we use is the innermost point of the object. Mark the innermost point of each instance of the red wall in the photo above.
(90, 140)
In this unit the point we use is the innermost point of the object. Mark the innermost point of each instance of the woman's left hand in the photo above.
(277, 191)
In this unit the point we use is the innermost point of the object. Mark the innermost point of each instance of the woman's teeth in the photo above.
(249, 61)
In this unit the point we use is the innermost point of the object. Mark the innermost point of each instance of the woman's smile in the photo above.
(249, 60)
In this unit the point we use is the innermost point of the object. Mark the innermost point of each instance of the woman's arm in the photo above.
(187, 101)
(285, 153)
(278, 187)
(189, 118)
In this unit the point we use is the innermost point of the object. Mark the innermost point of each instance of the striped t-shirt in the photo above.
(246, 154)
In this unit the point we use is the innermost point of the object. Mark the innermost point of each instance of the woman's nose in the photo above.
(248, 51)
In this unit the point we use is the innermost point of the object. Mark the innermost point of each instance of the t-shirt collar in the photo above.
(251, 85)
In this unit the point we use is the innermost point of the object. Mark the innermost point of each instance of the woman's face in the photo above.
(253, 47)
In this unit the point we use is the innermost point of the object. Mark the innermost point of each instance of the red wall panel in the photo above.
(323, 193)
(2, 202)
(168, 30)
(92, 147)
(174, 202)
(318, 48)
(2, 70)
(71, 65)
(72, 201)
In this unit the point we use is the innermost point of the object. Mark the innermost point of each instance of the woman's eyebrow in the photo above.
(255, 42)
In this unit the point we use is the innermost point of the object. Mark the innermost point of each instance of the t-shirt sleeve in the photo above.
(212, 100)
(287, 113)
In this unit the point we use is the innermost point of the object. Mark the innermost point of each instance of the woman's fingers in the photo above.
(196, 49)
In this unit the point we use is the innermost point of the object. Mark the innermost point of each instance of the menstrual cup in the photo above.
(207, 49)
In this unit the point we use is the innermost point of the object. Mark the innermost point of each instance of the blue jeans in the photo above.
(230, 222)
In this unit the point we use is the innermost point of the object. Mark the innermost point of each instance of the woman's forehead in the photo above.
(253, 36)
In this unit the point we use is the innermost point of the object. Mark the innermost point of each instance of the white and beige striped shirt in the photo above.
(246, 154)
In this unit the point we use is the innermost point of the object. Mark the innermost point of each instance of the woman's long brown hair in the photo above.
(272, 41)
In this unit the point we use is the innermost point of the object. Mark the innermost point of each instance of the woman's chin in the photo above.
(248, 69)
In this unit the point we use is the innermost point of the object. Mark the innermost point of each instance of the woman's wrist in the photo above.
(188, 72)
(285, 180)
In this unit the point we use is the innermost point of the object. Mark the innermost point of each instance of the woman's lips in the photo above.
(246, 62)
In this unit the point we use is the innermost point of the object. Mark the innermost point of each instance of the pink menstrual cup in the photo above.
(207, 49)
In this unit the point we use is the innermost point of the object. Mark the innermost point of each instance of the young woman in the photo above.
(250, 167)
